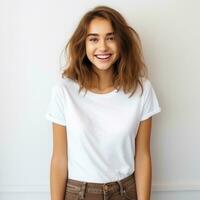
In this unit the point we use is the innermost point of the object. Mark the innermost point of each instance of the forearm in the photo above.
(58, 178)
(143, 176)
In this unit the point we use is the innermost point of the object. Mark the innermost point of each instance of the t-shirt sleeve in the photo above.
(56, 107)
(150, 105)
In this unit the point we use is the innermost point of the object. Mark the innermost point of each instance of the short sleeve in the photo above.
(56, 107)
(150, 105)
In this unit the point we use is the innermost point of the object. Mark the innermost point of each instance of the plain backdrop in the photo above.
(32, 37)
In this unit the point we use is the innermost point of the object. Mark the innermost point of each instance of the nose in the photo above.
(102, 45)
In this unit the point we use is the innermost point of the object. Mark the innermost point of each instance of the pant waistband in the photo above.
(99, 188)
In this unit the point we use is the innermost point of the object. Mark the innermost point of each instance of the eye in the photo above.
(111, 38)
(93, 39)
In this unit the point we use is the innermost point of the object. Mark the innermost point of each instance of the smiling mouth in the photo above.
(103, 56)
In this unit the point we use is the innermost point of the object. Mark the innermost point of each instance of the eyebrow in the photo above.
(96, 34)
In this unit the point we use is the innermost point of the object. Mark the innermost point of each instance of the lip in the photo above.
(100, 54)
(103, 60)
(103, 54)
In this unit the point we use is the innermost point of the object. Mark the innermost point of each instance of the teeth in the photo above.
(103, 56)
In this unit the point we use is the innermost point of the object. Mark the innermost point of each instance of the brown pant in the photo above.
(124, 189)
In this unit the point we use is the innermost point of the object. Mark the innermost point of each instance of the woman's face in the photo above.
(101, 46)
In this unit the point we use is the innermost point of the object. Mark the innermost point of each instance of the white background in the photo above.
(32, 37)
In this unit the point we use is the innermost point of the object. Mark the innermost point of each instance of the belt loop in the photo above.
(121, 188)
(82, 191)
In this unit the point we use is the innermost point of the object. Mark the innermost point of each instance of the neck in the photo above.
(105, 81)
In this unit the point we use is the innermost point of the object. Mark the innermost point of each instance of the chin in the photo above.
(103, 68)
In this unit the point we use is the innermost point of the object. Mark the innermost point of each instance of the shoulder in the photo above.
(63, 84)
(146, 83)
(66, 87)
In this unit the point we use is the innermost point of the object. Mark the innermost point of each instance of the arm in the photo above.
(58, 169)
(143, 168)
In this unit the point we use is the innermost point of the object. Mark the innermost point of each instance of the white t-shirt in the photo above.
(101, 128)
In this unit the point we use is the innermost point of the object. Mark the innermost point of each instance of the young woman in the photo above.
(101, 110)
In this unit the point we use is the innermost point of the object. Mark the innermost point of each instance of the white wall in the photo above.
(32, 36)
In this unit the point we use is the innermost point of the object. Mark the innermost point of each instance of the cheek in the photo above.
(89, 49)
(89, 53)
(115, 48)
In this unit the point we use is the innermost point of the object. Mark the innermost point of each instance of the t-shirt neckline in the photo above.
(91, 93)
(110, 93)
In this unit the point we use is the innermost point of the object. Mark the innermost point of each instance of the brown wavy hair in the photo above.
(128, 68)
